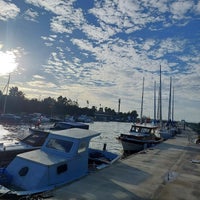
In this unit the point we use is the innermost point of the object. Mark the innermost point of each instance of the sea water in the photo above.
(109, 132)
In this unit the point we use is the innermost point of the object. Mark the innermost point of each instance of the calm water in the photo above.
(109, 131)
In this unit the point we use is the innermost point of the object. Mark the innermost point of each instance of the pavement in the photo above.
(168, 171)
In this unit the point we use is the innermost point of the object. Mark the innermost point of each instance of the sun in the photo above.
(7, 62)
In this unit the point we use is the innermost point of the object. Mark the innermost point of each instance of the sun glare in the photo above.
(7, 62)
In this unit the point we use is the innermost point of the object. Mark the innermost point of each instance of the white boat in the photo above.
(139, 138)
(63, 158)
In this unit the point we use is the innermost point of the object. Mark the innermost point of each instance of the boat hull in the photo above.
(134, 144)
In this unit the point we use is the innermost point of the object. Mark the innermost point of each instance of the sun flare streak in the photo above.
(7, 62)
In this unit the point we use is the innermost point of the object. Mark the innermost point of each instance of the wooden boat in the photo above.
(139, 138)
(11, 147)
(63, 158)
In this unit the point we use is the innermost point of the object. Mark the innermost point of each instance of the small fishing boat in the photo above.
(140, 137)
(9, 148)
(64, 157)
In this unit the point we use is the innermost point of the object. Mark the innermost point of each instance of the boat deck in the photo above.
(170, 170)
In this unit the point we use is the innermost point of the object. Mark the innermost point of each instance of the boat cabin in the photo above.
(62, 159)
(143, 129)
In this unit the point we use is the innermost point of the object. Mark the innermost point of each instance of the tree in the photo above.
(14, 92)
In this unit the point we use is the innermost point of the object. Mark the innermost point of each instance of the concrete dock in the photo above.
(170, 170)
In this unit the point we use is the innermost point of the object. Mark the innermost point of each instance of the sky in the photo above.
(98, 51)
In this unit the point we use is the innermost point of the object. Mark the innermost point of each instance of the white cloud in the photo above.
(31, 15)
(89, 58)
(181, 8)
(197, 7)
(8, 10)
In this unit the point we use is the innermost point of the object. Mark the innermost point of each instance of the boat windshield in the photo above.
(140, 129)
(60, 145)
(36, 139)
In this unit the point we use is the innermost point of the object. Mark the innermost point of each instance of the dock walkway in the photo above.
(170, 170)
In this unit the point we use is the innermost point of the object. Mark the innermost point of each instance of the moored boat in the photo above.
(60, 126)
(9, 148)
(139, 138)
(63, 158)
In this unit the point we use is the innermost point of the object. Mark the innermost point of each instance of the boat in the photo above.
(169, 130)
(139, 138)
(9, 148)
(7, 118)
(64, 157)
(67, 125)
(59, 126)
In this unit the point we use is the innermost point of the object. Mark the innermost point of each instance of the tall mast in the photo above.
(160, 94)
(173, 105)
(170, 96)
(141, 113)
(6, 88)
(158, 105)
(154, 101)
(119, 102)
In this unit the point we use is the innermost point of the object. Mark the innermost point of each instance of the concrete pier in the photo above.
(170, 170)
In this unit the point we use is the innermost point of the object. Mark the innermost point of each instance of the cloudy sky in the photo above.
(100, 50)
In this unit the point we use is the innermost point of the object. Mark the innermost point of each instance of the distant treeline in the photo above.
(16, 102)
(195, 127)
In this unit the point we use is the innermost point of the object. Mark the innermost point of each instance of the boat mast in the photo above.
(141, 112)
(160, 98)
(154, 102)
(158, 105)
(173, 105)
(6, 88)
(170, 96)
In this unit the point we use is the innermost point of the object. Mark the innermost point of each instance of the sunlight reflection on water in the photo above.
(3, 132)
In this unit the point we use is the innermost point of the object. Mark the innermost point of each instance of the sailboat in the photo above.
(171, 124)
(140, 136)
(164, 131)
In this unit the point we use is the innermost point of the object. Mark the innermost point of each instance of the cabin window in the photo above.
(23, 171)
(60, 145)
(61, 168)
(82, 147)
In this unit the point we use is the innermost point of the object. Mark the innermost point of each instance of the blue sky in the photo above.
(100, 51)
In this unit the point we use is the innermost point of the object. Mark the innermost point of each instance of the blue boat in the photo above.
(64, 157)
(11, 147)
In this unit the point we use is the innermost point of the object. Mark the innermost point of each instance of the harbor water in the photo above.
(109, 132)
